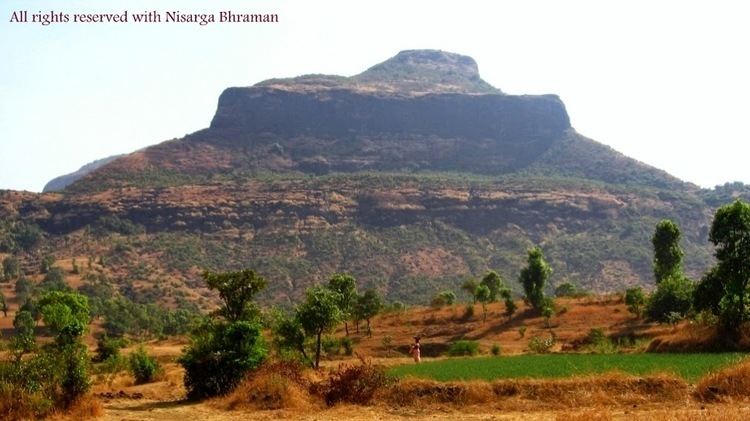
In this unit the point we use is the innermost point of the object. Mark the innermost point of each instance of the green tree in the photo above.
(289, 335)
(3, 305)
(484, 296)
(566, 289)
(368, 306)
(237, 290)
(672, 299)
(48, 262)
(730, 234)
(54, 280)
(667, 251)
(494, 283)
(318, 314)
(61, 309)
(219, 355)
(443, 298)
(346, 287)
(635, 299)
(221, 352)
(510, 305)
(534, 278)
(11, 268)
(23, 341)
(23, 289)
(470, 286)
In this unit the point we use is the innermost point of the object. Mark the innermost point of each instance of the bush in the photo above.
(107, 348)
(495, 350)
(463, 348)
(522, 331)
(635, 299)
(443, 298)
(468, 312)
(348, 345)
(219, 356)
(541, 345)
(672, 300)
(596, 336)
(566, 289)
(143, 367)
(355, 384)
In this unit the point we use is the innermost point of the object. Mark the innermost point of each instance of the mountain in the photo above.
(412, 175)
(63, 181)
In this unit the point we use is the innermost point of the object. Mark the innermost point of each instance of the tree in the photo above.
(289, 335)
(54, 280)
(510, 305)
(318, 314)
(60, 309)
(635, 299)
(566, 289)
(534, 278)
(667, 251)
(728, 281)
(368, 306)
(484, 296)
(237, 290)
(346, 287)
(219, 355)
(470, 286)
(48, 262)
(443, 298)
(3, 305)
(23, 289)
(24, 341)
(494, 283)
(672, 299)
(11, 268)
(221, 352)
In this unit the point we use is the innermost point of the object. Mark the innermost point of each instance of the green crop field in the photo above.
(688, 366)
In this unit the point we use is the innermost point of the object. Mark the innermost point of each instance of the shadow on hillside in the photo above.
(516, 320)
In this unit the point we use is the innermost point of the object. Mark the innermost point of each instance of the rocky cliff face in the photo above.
(411, 175)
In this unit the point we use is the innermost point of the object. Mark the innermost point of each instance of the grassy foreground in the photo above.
(688, 366)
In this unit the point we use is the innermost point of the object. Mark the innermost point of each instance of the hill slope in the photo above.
(412, 175)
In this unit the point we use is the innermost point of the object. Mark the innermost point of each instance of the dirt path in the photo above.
(129, 409)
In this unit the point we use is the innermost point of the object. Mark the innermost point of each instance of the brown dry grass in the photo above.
(520, 395)
(729, 384)
(275, 385)
(84, 408)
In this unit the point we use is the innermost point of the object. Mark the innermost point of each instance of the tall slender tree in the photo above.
(346, 287)
(534, 278)
(667, 251)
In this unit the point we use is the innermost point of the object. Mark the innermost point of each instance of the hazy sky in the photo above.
(667, 83)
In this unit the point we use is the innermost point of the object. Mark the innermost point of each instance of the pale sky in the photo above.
(665, 82)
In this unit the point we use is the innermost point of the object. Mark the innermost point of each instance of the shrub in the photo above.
(541, 345)
(566, 289)
(355, 384)
(596, 336)
(219, 356)
(495, 350)
(468, 312)
(107, 348)
(443, 298)
(522, 331)
(348, 345)
(331, 346)
(635, 300)
(672, 299)
(463, 348)
(143, 367)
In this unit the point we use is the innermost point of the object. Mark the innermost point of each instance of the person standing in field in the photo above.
(416, 352)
